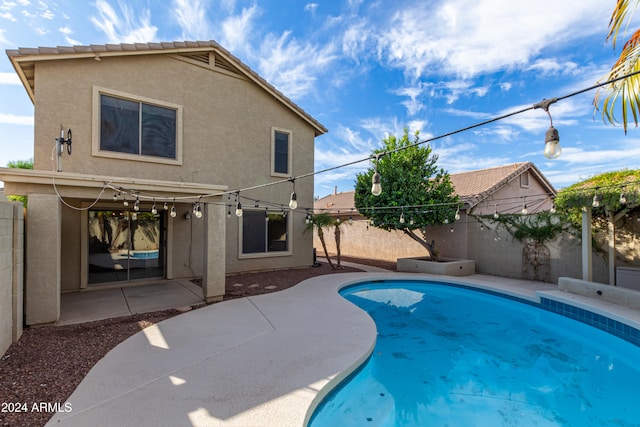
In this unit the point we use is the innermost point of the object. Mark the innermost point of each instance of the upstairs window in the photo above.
(280, 152)
(139, 129)
(524, 180)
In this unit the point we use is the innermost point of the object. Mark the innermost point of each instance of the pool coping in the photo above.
(258, 361)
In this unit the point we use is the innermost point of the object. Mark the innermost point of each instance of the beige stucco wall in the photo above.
(226, 140)
(6, 275)
(511, 197)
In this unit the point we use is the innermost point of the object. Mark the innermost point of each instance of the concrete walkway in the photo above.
(99, 303)
(265, 360)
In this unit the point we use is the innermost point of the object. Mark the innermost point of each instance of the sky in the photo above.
(369, 69)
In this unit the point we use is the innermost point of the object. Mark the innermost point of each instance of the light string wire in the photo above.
(237, 192)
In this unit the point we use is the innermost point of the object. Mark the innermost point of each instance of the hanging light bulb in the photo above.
(173, 212)
(154, 210)
(125, 201)
(457, 217)
(376, 188)
(596, 201)
(411, 221)
(165, 206)
(552, 148)
(451, 229)
(238, 210)
(623, 198)
(197, 210)
(524, 209)
(553, 208)
(350, 220)
(115, 196)
(446, 221)
(495, 214)
(402, 218)
(228, 211)
(293, 202)
(136, 205)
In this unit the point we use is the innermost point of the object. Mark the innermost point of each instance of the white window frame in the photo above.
(288, 252)
(96, 121)
(289, 153)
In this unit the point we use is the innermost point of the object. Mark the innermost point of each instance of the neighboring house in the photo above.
(168, 127)
(505, 189)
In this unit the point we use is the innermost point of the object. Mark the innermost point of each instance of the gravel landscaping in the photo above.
(45, 366)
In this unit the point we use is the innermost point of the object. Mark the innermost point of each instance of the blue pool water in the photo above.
(450, 356)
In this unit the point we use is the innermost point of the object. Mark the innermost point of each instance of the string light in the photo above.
(293, 201)
(553, 208)
(457, 217)
(495, 214)
(197, 210)
(154, 210)
(173, 212)
(115, 196)
(136, 205)
(552, 148)
(238, 209)
(596, 201)
(376, 187)
(165, 206)
(623, 197)
(402, 218)
(125, 201)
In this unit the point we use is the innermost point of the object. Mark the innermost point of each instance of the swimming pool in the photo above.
(451, 356)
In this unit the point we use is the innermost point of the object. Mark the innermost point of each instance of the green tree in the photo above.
(626, 91)
(20, 164)
(415, 193)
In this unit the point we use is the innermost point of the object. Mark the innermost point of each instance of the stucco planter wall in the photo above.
(444, 266)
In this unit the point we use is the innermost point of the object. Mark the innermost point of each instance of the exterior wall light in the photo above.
(552, 149)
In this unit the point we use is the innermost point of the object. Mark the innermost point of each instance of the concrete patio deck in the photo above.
(104, 303)
(257, 361)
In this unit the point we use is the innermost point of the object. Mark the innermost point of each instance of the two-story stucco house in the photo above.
(162, 137)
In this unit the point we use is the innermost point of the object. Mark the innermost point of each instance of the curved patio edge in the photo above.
(256, 361)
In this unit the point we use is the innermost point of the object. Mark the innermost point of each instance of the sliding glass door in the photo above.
(125, 246)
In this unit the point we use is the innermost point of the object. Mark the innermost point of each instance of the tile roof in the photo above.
(23, 60)
(472, 187)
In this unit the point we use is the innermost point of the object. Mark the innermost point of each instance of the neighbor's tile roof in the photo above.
(472, 187)
(23, 60)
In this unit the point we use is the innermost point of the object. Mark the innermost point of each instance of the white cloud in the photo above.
(8, 16)
(65, 30)
(131, 27)
(466, 39)
(9, 79)
(293, 66)
(311, 7)
(13, 119)
(550, 66)
(237, 28)
(192, 19)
